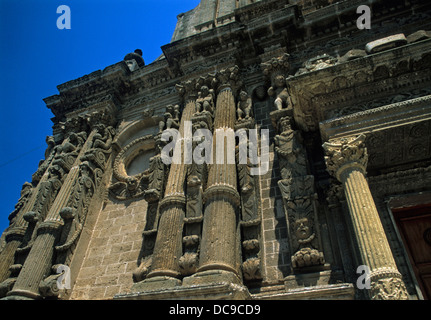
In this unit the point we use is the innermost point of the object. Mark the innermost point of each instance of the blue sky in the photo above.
(35, 57)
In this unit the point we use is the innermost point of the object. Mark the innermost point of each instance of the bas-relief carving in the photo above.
(344, 152)
(126, 186)
(297, 189)
(74, 214)
(277, 70)
(295, 184)
(250, 221)
(48, 180)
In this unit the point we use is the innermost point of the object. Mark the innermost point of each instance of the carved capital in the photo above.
(279, 65)
(49, 226)
(346, 153)
(228, 79)
(387, 284)
(189, 89)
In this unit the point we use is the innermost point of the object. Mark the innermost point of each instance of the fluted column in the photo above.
(220, 243)
(39, 260)
(168, 245)
(14, 237)
(16, 231)
(346, 159)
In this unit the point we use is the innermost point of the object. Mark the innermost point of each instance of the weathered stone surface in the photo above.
(105, 204)
(386, 43)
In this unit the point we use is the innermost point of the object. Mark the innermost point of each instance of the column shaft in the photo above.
(168, 246)
(371, 236)
(347, 160)
(219, 249)
(14, 236)
(39, 260)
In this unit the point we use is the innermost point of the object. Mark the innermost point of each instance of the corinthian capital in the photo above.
(228, 78)
(346, 153)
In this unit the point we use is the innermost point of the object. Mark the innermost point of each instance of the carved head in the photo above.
(302, 228)
(193, 181)
(132, 183)
(85, 168)
(204, 91)
(26, 187)
(279, 81)
(243, 95)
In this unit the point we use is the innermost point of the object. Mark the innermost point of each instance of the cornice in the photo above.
(317, 94)
(396, 114)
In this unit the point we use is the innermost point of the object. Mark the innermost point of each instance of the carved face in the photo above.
(279, 81)
(132, 183)
(302, 228)
(204, 90)
(193, 181)
(243, 95)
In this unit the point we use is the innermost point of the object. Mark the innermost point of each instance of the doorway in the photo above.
(414, 225)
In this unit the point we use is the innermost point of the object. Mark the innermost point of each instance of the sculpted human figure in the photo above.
(279, 90)
(205, 100)
(174, 121)
(194, 196)
(103, 138)
(244, 107)
(172, 118)
(288, 147)
(26, 191)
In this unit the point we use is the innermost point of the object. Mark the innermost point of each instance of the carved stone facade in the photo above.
(348, 117)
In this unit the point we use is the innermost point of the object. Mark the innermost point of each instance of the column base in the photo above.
(22, 295)
(159, 283)
(206, 285)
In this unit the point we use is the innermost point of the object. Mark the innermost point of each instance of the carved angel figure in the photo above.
(205, 100)
(171, 118)
(244, 107)
(279, 90)
(103, 138)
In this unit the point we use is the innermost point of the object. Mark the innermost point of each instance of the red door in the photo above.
(414, 225)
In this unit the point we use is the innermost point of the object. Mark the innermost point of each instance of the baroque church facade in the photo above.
(341, 211)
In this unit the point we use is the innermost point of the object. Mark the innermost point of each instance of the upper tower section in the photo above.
(207, 15)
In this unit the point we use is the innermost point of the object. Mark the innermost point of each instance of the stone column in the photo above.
(18, 224)
(346, 159)
(168, 245)
(219, 240)
(44, 250)
(39, 260)
(220, 234)
(33, 206)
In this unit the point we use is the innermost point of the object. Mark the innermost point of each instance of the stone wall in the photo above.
(113, 251)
